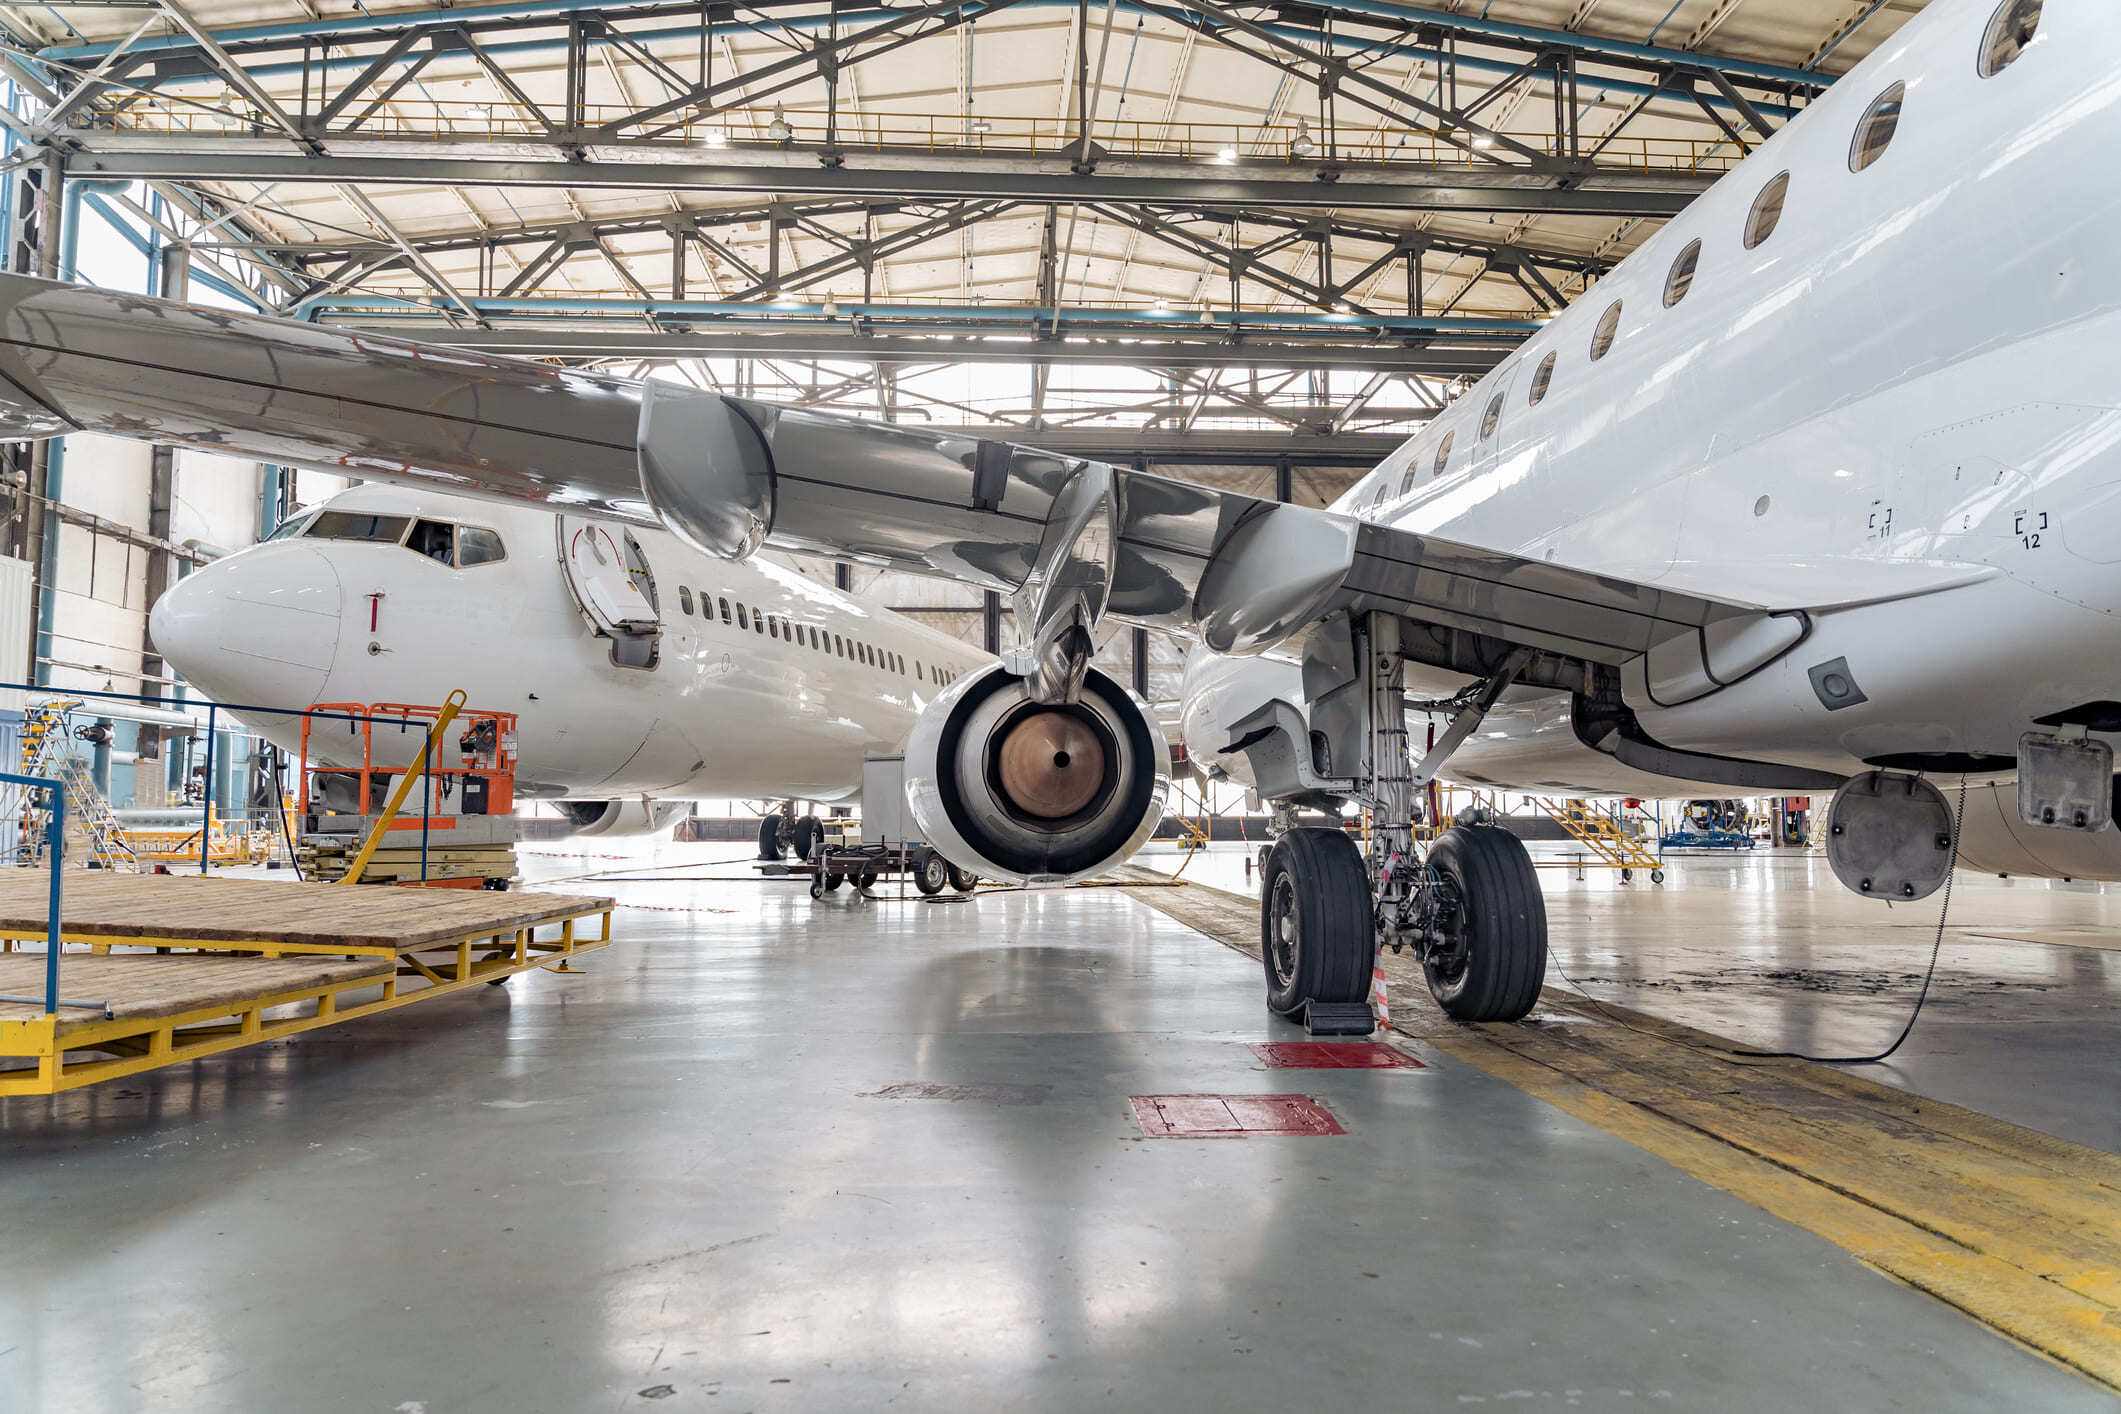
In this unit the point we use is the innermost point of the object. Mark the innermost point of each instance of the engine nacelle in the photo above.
(1994, 840)
(1013, 789)
(635, 815)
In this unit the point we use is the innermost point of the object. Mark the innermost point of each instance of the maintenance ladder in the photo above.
(1599, 831)
(47, 751)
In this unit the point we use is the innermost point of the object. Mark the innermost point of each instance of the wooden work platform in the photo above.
(238, 961)
(268, 917)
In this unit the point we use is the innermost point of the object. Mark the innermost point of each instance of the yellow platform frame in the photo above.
(130, 1045)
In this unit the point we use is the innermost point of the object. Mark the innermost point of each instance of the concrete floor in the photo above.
(678, 1182)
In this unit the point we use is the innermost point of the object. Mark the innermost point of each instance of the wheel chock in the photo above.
(1338, 1019)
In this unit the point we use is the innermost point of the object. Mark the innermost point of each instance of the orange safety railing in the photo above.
(478, 756)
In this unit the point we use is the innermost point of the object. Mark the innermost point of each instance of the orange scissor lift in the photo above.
(457, 827)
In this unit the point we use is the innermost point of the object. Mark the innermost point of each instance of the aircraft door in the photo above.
(614, 588)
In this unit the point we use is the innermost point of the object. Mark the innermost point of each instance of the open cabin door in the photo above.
(611, 583)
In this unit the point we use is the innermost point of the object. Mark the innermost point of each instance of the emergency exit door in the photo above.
(614, 588)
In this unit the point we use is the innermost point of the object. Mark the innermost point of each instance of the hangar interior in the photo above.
(1008, 1147)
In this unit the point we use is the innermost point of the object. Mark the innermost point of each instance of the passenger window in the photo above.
(741, 621)
(1877, 128)
(685, 600)
(2009, 32)
(354, 525)
(1681, 279)
(435, 539)
(1767, 211)
(773, 628)
(724, 603)
(1492, 418)
(476, 545)
(1542, 378)
(758, 621)
(1443, 451)
(1608, 329)
(838, 646)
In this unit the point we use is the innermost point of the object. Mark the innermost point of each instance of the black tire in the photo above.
(833, 881)
(1656, 876)
(770, 837)
(1496, 973)
(1317, 924)
(865, 881)
(931, 872)
(963, 880)
(804, 837)
(817, 886)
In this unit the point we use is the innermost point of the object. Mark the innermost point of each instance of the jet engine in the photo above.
(1010, 788)
(1994, 840)
(636, 815)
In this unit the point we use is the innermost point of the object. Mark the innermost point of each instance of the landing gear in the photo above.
(1317, 933)
(1485, 950)
(778, 834)
(931, 872)
(963, 880)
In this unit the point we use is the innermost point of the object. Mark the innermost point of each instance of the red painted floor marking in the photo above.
(1334, 1055)
(1231, 1116)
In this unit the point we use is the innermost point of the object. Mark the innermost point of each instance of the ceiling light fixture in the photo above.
(1301, 145)
(716, 137)
(981, 125)
(1163, 306)
(778, 129)
(832, 307)
(1226, 153)
(1483, 141)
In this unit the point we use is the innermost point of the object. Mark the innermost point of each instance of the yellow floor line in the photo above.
(2018, 1229)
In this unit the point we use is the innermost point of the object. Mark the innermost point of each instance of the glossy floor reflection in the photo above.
(1766, 948)
(770, 1154)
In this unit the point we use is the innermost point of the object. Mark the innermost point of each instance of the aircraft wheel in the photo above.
(963, 880)
(931, 872)
(804, 837)
(1317, 925)
(1498, 955)
(770, 837)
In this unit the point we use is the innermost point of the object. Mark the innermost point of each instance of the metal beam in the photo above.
(1398, 187)
(835, 343)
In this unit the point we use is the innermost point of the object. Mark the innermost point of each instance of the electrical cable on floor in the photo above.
(1921, 997)
(1936, 949)
(279, 805)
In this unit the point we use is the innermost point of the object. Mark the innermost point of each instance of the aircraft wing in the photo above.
(1241, 573)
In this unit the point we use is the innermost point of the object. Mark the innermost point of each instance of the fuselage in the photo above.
(765, 682)
(1897, 411)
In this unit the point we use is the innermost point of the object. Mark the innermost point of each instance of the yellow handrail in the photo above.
(405, 784)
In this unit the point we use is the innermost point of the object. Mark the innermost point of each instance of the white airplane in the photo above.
(643, 673)
(1816, 491)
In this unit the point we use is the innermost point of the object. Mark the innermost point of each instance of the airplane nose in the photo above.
(261, 627)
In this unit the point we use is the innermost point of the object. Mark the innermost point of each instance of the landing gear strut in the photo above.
(1471, 907)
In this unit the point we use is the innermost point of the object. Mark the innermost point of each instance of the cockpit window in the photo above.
(293, 526)
(436, 539)
(357, 525)
(476, 545)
